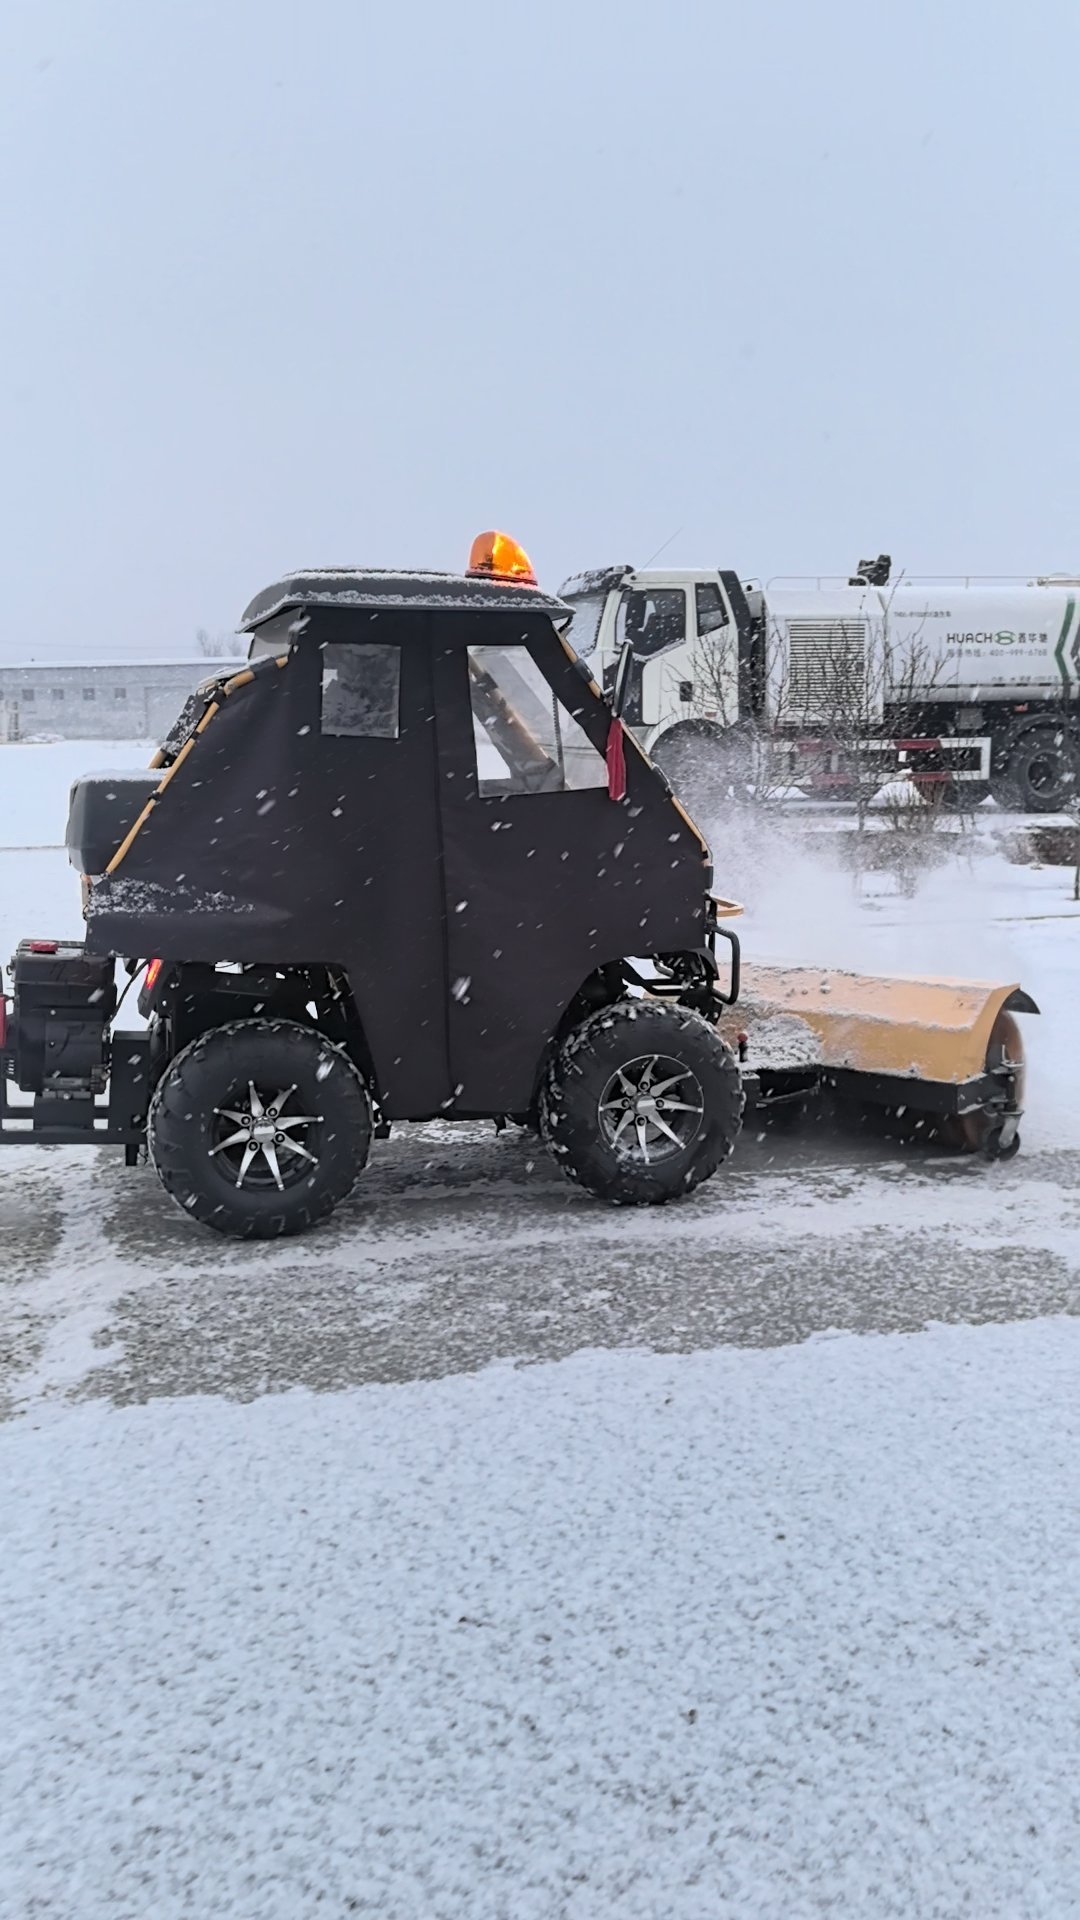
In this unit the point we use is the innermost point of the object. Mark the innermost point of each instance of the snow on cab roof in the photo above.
(372, 587)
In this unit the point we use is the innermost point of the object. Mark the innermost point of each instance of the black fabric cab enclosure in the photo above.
(415, 796)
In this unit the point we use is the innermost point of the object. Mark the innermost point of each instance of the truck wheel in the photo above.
(705, 764)
(641, 1103)
(259, 1128)
(1041, 771)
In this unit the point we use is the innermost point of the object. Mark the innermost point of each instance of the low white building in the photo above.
(92, 700)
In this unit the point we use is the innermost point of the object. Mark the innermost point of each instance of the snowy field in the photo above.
(35, 782)
(760, 1634)
(753, 1594)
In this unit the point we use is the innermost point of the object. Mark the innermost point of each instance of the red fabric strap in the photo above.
(616, 762)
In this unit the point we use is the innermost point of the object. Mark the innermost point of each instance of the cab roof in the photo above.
(353, 587)
(596, 580)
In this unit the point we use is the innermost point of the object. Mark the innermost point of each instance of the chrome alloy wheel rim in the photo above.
(256, 1143)
(651, 1109)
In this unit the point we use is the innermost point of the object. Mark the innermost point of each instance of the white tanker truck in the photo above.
(824, 683)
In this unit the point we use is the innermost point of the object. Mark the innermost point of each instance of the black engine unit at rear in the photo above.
(64, 1001)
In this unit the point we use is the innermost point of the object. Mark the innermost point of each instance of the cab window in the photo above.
(526, 740)
(711, 611)
(361, 690)
(652, 620)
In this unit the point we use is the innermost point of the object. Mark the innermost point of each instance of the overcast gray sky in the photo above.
(329, 283)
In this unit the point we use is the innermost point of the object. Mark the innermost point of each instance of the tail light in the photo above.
(146, 991)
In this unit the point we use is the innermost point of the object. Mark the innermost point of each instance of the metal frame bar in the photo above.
(927, 1096)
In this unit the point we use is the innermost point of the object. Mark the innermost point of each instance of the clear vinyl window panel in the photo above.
(276, 636)
(526, 740)
(361, 691)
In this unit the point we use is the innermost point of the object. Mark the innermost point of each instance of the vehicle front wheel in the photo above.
(260, 1128)
(707, 766)
(641, 1103)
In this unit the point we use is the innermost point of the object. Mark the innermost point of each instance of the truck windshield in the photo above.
(584, 629)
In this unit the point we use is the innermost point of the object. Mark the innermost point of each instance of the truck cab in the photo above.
(696, 641)
(831, 685)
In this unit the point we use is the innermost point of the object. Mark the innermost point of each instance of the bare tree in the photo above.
(856, 696)
(751, 761)
(1074, 812)
(837, 697)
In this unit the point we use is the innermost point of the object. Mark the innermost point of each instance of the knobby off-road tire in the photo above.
(1041, 771)
(595, 1116)
(210, 1128)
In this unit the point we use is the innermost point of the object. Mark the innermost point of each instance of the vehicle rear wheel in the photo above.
(1041, 771)
(260, 1128)
(641, 1103)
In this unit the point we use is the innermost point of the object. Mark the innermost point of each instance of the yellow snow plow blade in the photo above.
(901, 1026)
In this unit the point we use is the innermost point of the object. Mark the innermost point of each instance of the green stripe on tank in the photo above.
(1059, 650)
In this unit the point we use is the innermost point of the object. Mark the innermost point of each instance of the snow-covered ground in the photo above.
(754, 1595)
(764, 1635)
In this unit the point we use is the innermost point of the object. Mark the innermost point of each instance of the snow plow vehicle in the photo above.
(406, 864)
